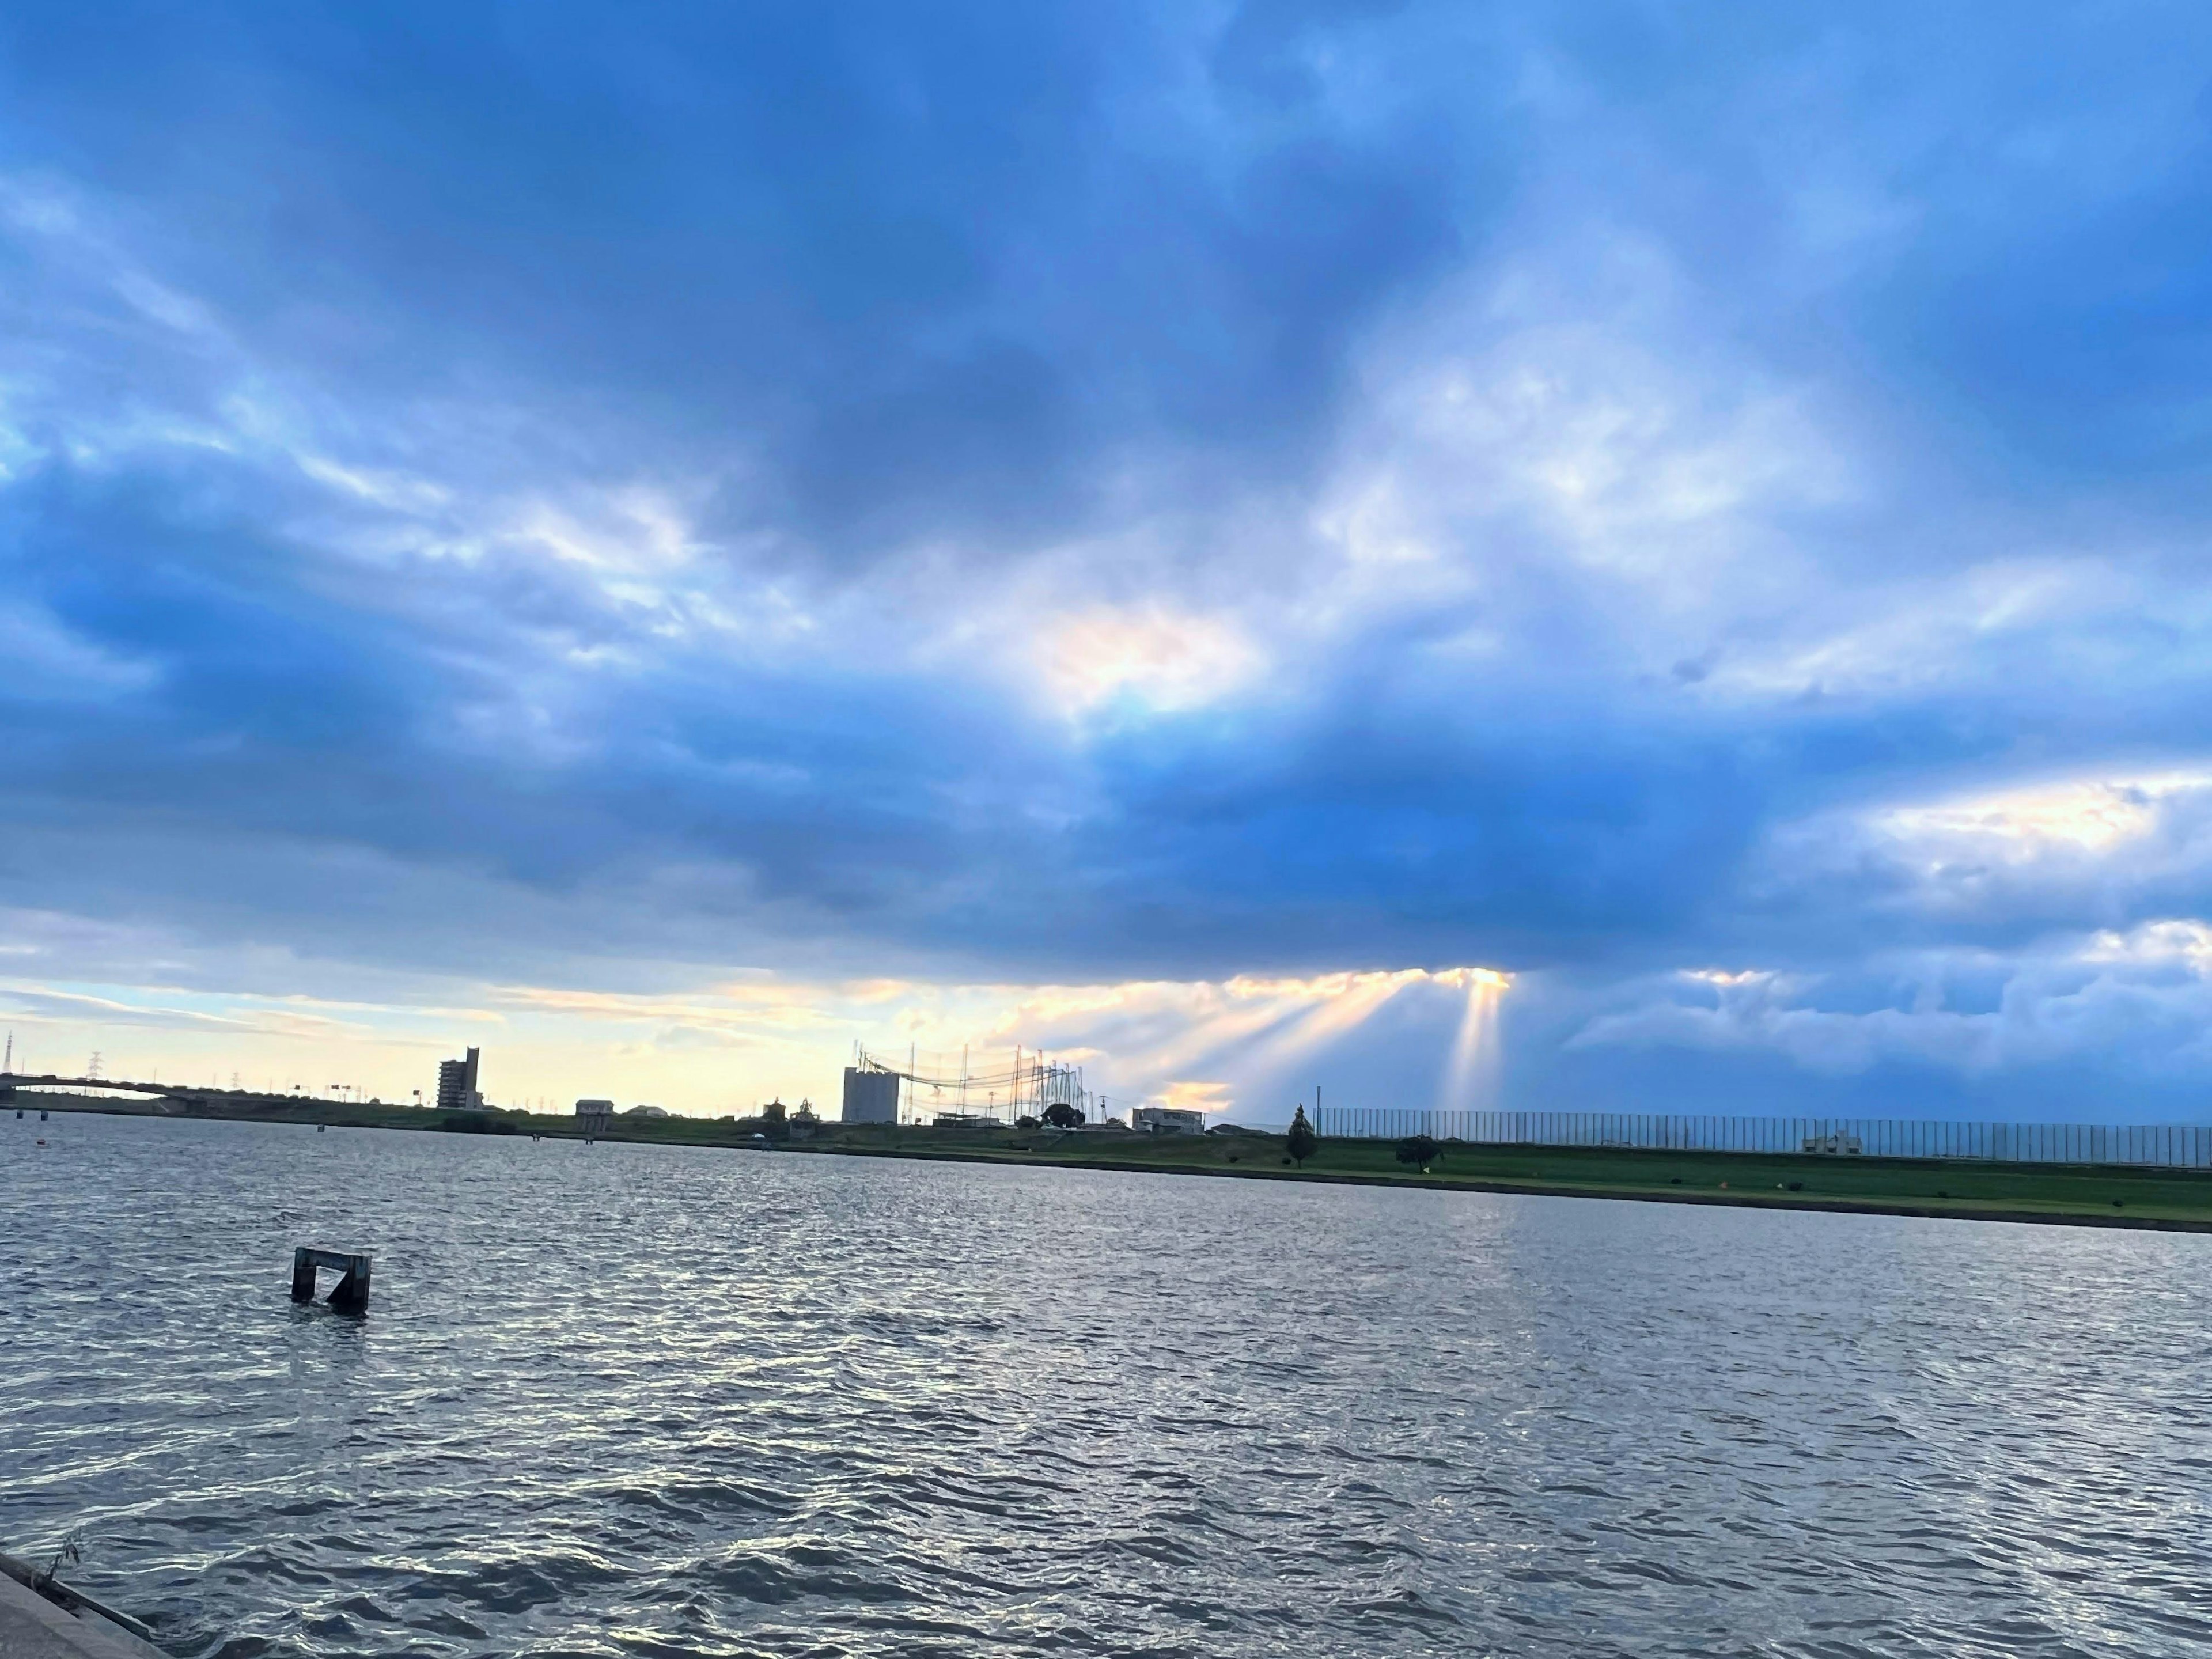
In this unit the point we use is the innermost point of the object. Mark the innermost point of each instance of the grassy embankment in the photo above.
(2077, 1194)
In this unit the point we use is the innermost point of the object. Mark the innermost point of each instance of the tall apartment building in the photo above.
(457, 1085)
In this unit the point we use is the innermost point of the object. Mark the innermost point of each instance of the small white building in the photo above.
(1166, 1121)
(646, 1111)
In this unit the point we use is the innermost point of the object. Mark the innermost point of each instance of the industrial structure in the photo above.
(872, 1095)
(457, 1085)
(971, 1090)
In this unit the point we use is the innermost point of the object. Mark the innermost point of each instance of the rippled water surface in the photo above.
(632, 1400)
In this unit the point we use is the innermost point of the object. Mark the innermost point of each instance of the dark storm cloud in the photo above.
(934, 264)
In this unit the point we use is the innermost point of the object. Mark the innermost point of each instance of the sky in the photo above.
(1620, 556)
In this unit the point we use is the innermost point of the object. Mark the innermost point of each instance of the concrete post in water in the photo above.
(351, 1295)
(41, 1616)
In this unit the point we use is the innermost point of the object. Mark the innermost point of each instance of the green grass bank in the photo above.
(2075, 1194)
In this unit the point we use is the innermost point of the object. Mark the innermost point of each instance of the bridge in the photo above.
(10, 1081)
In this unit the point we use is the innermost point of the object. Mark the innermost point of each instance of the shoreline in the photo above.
(2124, 1197)
(1806, 1203)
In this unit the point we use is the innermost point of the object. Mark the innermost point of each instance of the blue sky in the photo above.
(666, 543)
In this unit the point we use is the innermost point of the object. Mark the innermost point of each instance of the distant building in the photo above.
(1166, 1121)
(646, 1111)
(457, 1085)
(871, 1095)
(965, 1120)
(596, 1115)
(1838, 1142)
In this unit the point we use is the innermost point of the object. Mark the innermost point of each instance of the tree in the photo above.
(1420, 1149)
(1061, 1116)
(1304, 1141)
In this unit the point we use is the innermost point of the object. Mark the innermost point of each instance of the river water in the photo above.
(625, 1399)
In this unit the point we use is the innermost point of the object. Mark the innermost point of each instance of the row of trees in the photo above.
(1058, 1115)
(1420, 1149)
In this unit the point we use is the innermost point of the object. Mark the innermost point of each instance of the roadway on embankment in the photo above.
(2096, 1195)
(2069, 1195)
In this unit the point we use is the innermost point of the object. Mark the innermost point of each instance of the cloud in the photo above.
(1191, 1096)
(1247, 1046)
(2089, 815)
(2133, 1005)
(1181, 497)
(1148, 661)
(1998, 866)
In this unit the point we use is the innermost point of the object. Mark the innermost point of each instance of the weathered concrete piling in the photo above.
(43, 1619)
(351, 1294)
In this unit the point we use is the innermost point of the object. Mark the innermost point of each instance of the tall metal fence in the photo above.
(2166, 1146)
